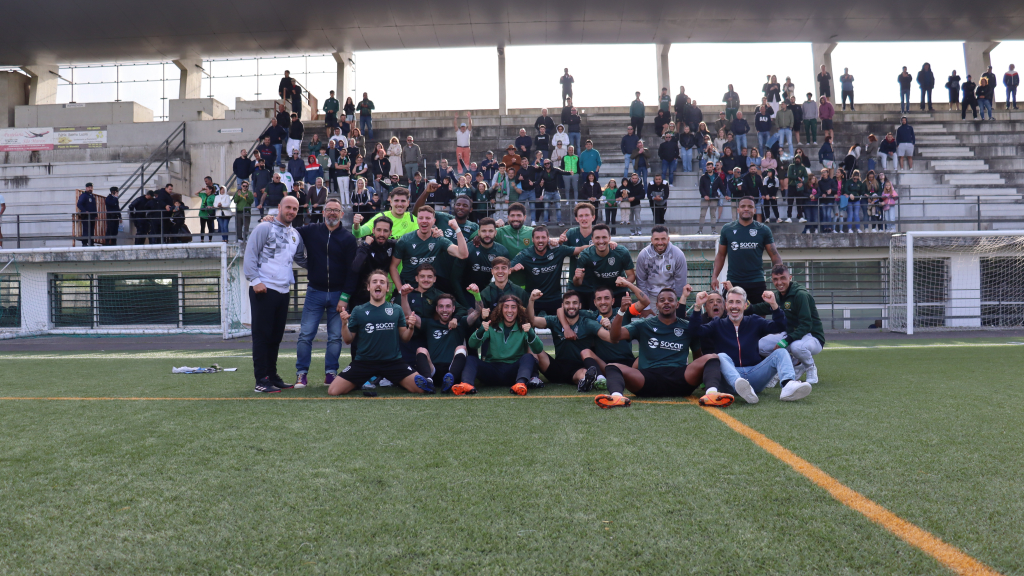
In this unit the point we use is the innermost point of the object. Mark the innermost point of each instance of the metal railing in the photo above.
(233, 178)
(161, 156)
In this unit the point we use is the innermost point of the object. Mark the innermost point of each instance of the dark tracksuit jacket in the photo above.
(329, 257)
(801, 313)
(738, 342)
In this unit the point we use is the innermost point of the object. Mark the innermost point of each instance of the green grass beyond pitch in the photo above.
(495, 484)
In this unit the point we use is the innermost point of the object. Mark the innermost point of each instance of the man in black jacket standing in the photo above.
(138, 212)
(657, 194)
(546, 121)
(242, 168)
(113, 206)
(330, 249)
(926, 80)
(542, 142)
(969, 99)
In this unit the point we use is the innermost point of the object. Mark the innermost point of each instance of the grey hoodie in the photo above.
(269, 253)
(656, 271)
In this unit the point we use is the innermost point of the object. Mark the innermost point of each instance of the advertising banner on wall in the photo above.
(78, 137)
(25, 139)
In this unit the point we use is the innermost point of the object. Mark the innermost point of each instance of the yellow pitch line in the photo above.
(273, 398)
(949, 556)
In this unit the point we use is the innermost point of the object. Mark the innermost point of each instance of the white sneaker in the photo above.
(533, 223)
(385, 382)
(789, 220)
(773, 382)
(802, 220)
(859, 231)
(795, 390)
(812, 375)
(798, 371)
(745, 391)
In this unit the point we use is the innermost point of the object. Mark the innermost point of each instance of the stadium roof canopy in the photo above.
(75, 31)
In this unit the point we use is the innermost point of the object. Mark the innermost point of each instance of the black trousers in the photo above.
(963, 109)
(88, 220)
(269, 312)
(141, 230)
(928, 93)
(755, 290)
(637, 124)
(112, 225)
(847, 94)
(659, 214)
(769, 205)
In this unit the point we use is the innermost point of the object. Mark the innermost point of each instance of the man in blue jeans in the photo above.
(330, 280)
(736, 337)
(627, 145)
(904, 79)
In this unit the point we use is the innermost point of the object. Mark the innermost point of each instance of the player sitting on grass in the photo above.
(664, 341)
(805, 336)
(379, 325)
(568, 366)
(509, 359)
(601, 348)
(736, 337)
(499, 286)
(445, 350)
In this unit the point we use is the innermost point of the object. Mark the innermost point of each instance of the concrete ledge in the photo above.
(94, 114)
(120, 253)
(195, 109)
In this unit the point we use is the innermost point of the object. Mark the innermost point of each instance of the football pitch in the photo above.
(906, 459)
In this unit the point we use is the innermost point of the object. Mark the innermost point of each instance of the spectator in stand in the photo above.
(769, 190)
(787, 89)
(296, 167)
(573, 128)
(590, 161)
(635, 191)
(296, 96)
(846, 82)
(798, 117)
(796, 178)
(463, 134)
(1011, 80)
(315, 145)
(523, 145)
(350, 109)
(826, 112)
(641, 161)
(511, 160)
(668, 153)
(244, 200)
(730, 160)
(809, 198)
(810, 112)
(904, 80)
(661, 120)
(546, 121)
(709, 194)
(827, 187)
(275, 136)
(570, 165)
(740, 128)
(985, 93)
(687, 144)
(542, 142)
(365, 108)
(784, 120)
(773, 92)
(926, 80)
(284, 87)
(763, 126)
(854, 190)
(953, 86)
(222, 208)
(905, 143)
(665, 102)
(970, 99)
(242, 168)
(331, 109)
(411, 156)
(637, 111)
(591, 192)
(824, 82)
(566, 81)
(888, 148)
(732, 105)
(627, 145)
(871, 152)
(658, 197)
(680, 105)
(313, 172)
(113, 216)
(826, 155)
(991, 79)
(560, 136)
(295, 133)
(694, 116)
(267, 151)
(889, 200)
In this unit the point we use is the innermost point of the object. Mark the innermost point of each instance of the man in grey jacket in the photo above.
(660, 265)
(810, 110)
(411, 157)
(269, 253)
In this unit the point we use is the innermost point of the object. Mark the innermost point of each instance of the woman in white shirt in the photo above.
(222, 204)
(395, 157)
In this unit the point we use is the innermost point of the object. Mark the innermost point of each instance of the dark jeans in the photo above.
(928, 93)
(499, 373)
(637, 124)
(963, 109)
(112, 224)
(141, 230)
(847, 94)
(769, 205)
(269, 312)
(244, 216)
(659, 214)
(207, 225)
(88, 220)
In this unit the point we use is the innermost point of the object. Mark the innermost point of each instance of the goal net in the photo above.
(956, 280)
(131, 290)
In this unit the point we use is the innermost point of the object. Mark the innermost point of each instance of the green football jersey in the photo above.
(422, 303)
(490, 295)
(544, 272)
(601, 271)
(574, 238)
(476, 269)
(376, 329)
(661, 345)
(619, 353)
(413, 251)
(745, 247)
(586, 333)
(442, 341)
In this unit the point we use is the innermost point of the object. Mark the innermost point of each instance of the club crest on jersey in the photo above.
(490, 257)
(753, 232)
(526, 241)
(389, 311)
(611, 260)
(430, 246)
(787, 305)
(389, 251)
(550, 256)
(678, 332)
(668, 267)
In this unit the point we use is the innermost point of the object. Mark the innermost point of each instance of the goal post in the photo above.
(969, 280)
(123, 290)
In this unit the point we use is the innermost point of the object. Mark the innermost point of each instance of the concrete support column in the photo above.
(43, 83)
(346, 83)
(822, 53)
(977, 58)
(190, 84)
(502, 102)
(663, 79)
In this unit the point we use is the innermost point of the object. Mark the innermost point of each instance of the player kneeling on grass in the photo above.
(805, 336)
(568, 365)
(445, 350)
(664, 341)
(509, 359)
(735, 339)
(379, 325)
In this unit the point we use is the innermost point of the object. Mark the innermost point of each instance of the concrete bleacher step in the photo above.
(946, 152)
(992, 193)
(938, 139)
(981, 178)
(959, 165)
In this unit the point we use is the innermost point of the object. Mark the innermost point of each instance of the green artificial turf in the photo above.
(495, 484)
